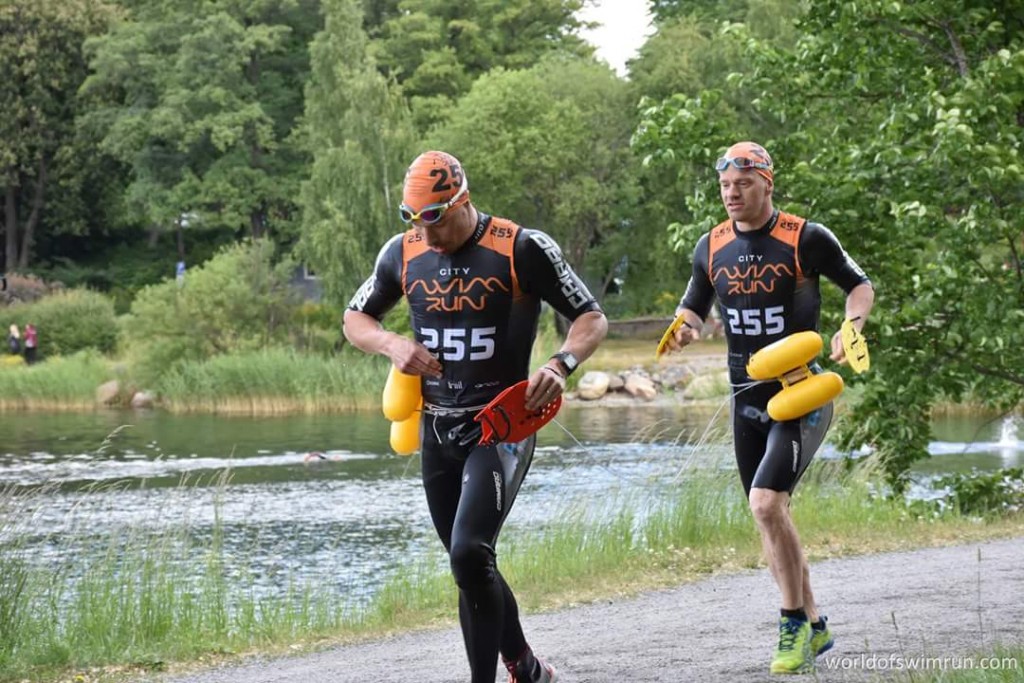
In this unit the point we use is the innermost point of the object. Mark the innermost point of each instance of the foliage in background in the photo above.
(42, 65)
(436, 49)
(358, 133)
(238, 301)
(548, 147)
(60, 383)
(998, 492)
(200, 100)
(905, 141)
(274, 381)
(67, 322)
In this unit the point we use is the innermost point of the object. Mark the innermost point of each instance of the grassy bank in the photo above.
(271, 381)
(275, 381)
(58, 384)
(144, 601)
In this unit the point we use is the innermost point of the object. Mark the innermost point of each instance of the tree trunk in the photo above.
(11, 227)
(33, 218)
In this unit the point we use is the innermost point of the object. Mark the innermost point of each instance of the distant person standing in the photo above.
(14, 341)
(31, 343)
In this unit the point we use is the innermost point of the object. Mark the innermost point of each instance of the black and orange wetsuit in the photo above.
(477, 310)
(766, 282)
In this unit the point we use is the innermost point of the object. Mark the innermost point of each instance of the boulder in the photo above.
(108, 392)
(593, 385)
(142, 399)
(616, 383)
(640, 387)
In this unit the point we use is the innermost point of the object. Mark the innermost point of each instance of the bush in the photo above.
(981, 493)
(237, 301)
(67, 322)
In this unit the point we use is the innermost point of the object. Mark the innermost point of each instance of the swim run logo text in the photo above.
(458, 294)
(753, 278)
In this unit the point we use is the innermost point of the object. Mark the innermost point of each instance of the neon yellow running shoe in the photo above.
(821, 641)
(793, 655)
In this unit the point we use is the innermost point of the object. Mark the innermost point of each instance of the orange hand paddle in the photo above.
(506, 419)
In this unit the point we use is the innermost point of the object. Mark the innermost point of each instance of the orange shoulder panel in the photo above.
(787, 230)
(720, 236)
(501, 237)
(413, 245)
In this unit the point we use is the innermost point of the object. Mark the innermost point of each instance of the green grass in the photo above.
(275, 381)
(1001, 664)
(284, 381)
(143, 600)
(60, 383)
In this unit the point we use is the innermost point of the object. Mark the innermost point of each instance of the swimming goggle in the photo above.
(431, 213)
(741, 163)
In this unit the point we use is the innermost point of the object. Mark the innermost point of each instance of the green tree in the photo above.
(202, 101)
(436, 49)
(41, 59)
(904, 125)
(548, 147)
(358, 132)
(237, 301)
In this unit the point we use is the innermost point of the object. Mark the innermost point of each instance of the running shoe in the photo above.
(519, 671)
(821, 639)
(793, 656)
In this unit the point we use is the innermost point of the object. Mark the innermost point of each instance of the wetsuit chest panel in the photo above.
(759, 285)
(462, 307)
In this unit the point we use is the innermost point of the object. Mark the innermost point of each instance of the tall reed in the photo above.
(60, 383)
(274, 381)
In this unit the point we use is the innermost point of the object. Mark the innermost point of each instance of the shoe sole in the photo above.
(826, 648)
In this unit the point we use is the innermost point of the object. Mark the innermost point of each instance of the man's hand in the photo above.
(412, 358)
(679, 334)
(545, 386)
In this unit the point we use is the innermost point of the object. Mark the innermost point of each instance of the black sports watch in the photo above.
(568, 361)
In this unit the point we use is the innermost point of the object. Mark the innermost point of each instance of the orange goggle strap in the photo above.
(505, 419)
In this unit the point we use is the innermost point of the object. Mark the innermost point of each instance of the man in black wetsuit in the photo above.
(474, 284)
(763, 266)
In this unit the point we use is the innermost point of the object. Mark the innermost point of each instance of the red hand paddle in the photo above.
(506, 419)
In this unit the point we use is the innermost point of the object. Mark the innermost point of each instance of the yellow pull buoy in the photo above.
(787, 361)
(784, 355)
(405, 434)
(402, 395)
(805, 396)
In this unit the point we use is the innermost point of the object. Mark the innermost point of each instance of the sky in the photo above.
(624, 27)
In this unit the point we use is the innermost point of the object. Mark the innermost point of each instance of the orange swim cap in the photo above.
(757, 156)
(434, 178)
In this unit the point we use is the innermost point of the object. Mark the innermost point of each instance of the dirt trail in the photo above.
(885, 610)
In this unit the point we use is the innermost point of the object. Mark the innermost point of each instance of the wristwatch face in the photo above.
(568, 360)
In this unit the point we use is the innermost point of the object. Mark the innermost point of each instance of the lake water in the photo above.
(359, 513)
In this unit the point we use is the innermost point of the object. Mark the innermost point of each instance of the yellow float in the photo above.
(402, 395)
(405, 434)
(402, 403)
(787, 361)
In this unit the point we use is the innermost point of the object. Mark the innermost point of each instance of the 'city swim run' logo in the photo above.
(752, 278)
(458, 295)
(895, 662)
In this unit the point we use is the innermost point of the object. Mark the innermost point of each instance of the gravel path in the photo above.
(885, 610)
